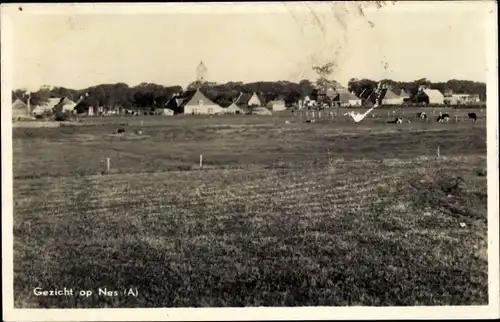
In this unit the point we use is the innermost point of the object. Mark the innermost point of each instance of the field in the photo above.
(296, 214)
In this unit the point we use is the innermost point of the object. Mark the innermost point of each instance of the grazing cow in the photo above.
(443, 117)
(311, 121)
(138, 132)
(422, 115)
(397, 120)
(119, 130)
(473, 116)
(287, 122)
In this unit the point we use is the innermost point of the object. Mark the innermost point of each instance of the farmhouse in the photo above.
(195, 102)
(65, 103)
(235, 109)
(276, 105)
(462, 99)
(430, 96)
(19, 109)
(249, 100)
(347, 99)
(390, 98)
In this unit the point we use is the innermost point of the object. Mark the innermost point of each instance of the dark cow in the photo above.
(397, 120)
(422, 115)
(473, 116)
(443, 117)
(119, 130)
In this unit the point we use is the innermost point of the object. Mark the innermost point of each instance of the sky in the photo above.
(77, 46)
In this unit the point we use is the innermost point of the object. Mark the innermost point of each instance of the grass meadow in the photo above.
(300, 214)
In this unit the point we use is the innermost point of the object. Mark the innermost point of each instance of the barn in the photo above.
(64, 105)
(347, 99)
(47, 106)
(19, 109)
(235, 109)
(430, 96)
(249, 100)
(276, 105)
(390, 98)
(195, 102)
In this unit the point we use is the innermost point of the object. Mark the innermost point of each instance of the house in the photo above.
(195, 102)
(404, 94)
(19, 109)
(65, 105)
(249, 100)
(47, 106)
(430, 96)
(457, 99)
(390, 98)
(347, 99)
(276, 105)
(235, 109)
(260, 111)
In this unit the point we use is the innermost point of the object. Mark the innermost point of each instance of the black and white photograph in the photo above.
(280, 160)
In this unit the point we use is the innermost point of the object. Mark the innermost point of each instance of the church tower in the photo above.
(201, 73)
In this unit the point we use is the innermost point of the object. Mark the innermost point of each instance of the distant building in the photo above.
(235, 109)
(456, 99)
(249, 100)
(19, 109)
(430, 96)
(276, 105)
(347, 99)
(390, 98)
(201, 73)
(195, 102)
(64, 104)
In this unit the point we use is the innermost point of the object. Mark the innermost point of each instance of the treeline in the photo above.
(150, 95)
(454, 86)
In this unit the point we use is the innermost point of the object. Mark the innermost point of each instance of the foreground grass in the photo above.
(342, 232)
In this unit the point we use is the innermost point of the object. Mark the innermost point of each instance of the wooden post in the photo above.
(108, 164)
(456, 119)
(438, 155)
(201, 160)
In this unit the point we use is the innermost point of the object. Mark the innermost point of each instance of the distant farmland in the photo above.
(297, 214)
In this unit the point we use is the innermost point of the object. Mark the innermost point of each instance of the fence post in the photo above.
(108, 164)
(456, 119)
(201, 161)
(438, 155)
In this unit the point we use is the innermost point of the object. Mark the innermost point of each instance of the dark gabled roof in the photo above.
(244, 97)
